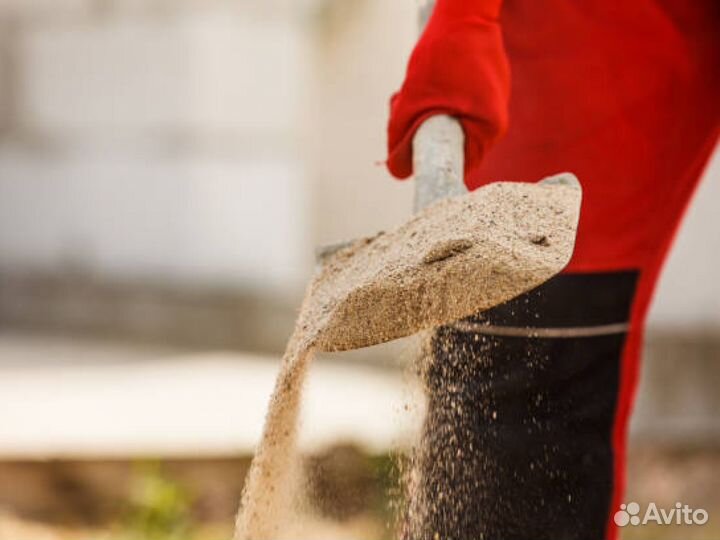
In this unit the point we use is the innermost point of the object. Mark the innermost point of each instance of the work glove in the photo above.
(459, 68)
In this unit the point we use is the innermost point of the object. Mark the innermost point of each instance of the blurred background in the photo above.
(167, 168)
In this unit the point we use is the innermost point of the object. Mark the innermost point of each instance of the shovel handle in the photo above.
(437, 149)
(438, 160)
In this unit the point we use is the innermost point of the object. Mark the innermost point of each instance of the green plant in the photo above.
(158, 508)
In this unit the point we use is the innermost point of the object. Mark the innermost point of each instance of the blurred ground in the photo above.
(101, 438)
(117, 441)
(65, 397)
(195, 499)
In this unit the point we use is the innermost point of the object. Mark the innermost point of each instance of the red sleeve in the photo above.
(458, 68)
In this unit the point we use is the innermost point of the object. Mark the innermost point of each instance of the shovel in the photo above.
(461, 253)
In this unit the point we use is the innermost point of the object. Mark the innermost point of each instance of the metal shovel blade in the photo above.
(453, 259)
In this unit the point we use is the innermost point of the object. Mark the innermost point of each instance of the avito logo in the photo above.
(680, 514)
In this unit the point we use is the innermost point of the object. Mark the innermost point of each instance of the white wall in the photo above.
(361, 48)
(688, 295)
(219, 220)
(218, 142)
(160, 142)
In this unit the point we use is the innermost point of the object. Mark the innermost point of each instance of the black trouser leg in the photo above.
(517, 439)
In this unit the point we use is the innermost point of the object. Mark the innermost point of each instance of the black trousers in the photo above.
(517, 442)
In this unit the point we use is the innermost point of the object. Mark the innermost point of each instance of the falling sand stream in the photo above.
(273, 483)
(451, 260)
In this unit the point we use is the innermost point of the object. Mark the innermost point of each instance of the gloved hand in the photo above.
(457, 68)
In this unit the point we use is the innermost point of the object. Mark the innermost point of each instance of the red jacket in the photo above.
(623, 93)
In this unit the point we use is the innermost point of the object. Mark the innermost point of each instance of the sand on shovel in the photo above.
(451, 260)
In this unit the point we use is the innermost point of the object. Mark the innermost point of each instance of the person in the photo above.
(624, 94)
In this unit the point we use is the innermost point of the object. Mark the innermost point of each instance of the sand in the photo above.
(270, 498)
(451, 260)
